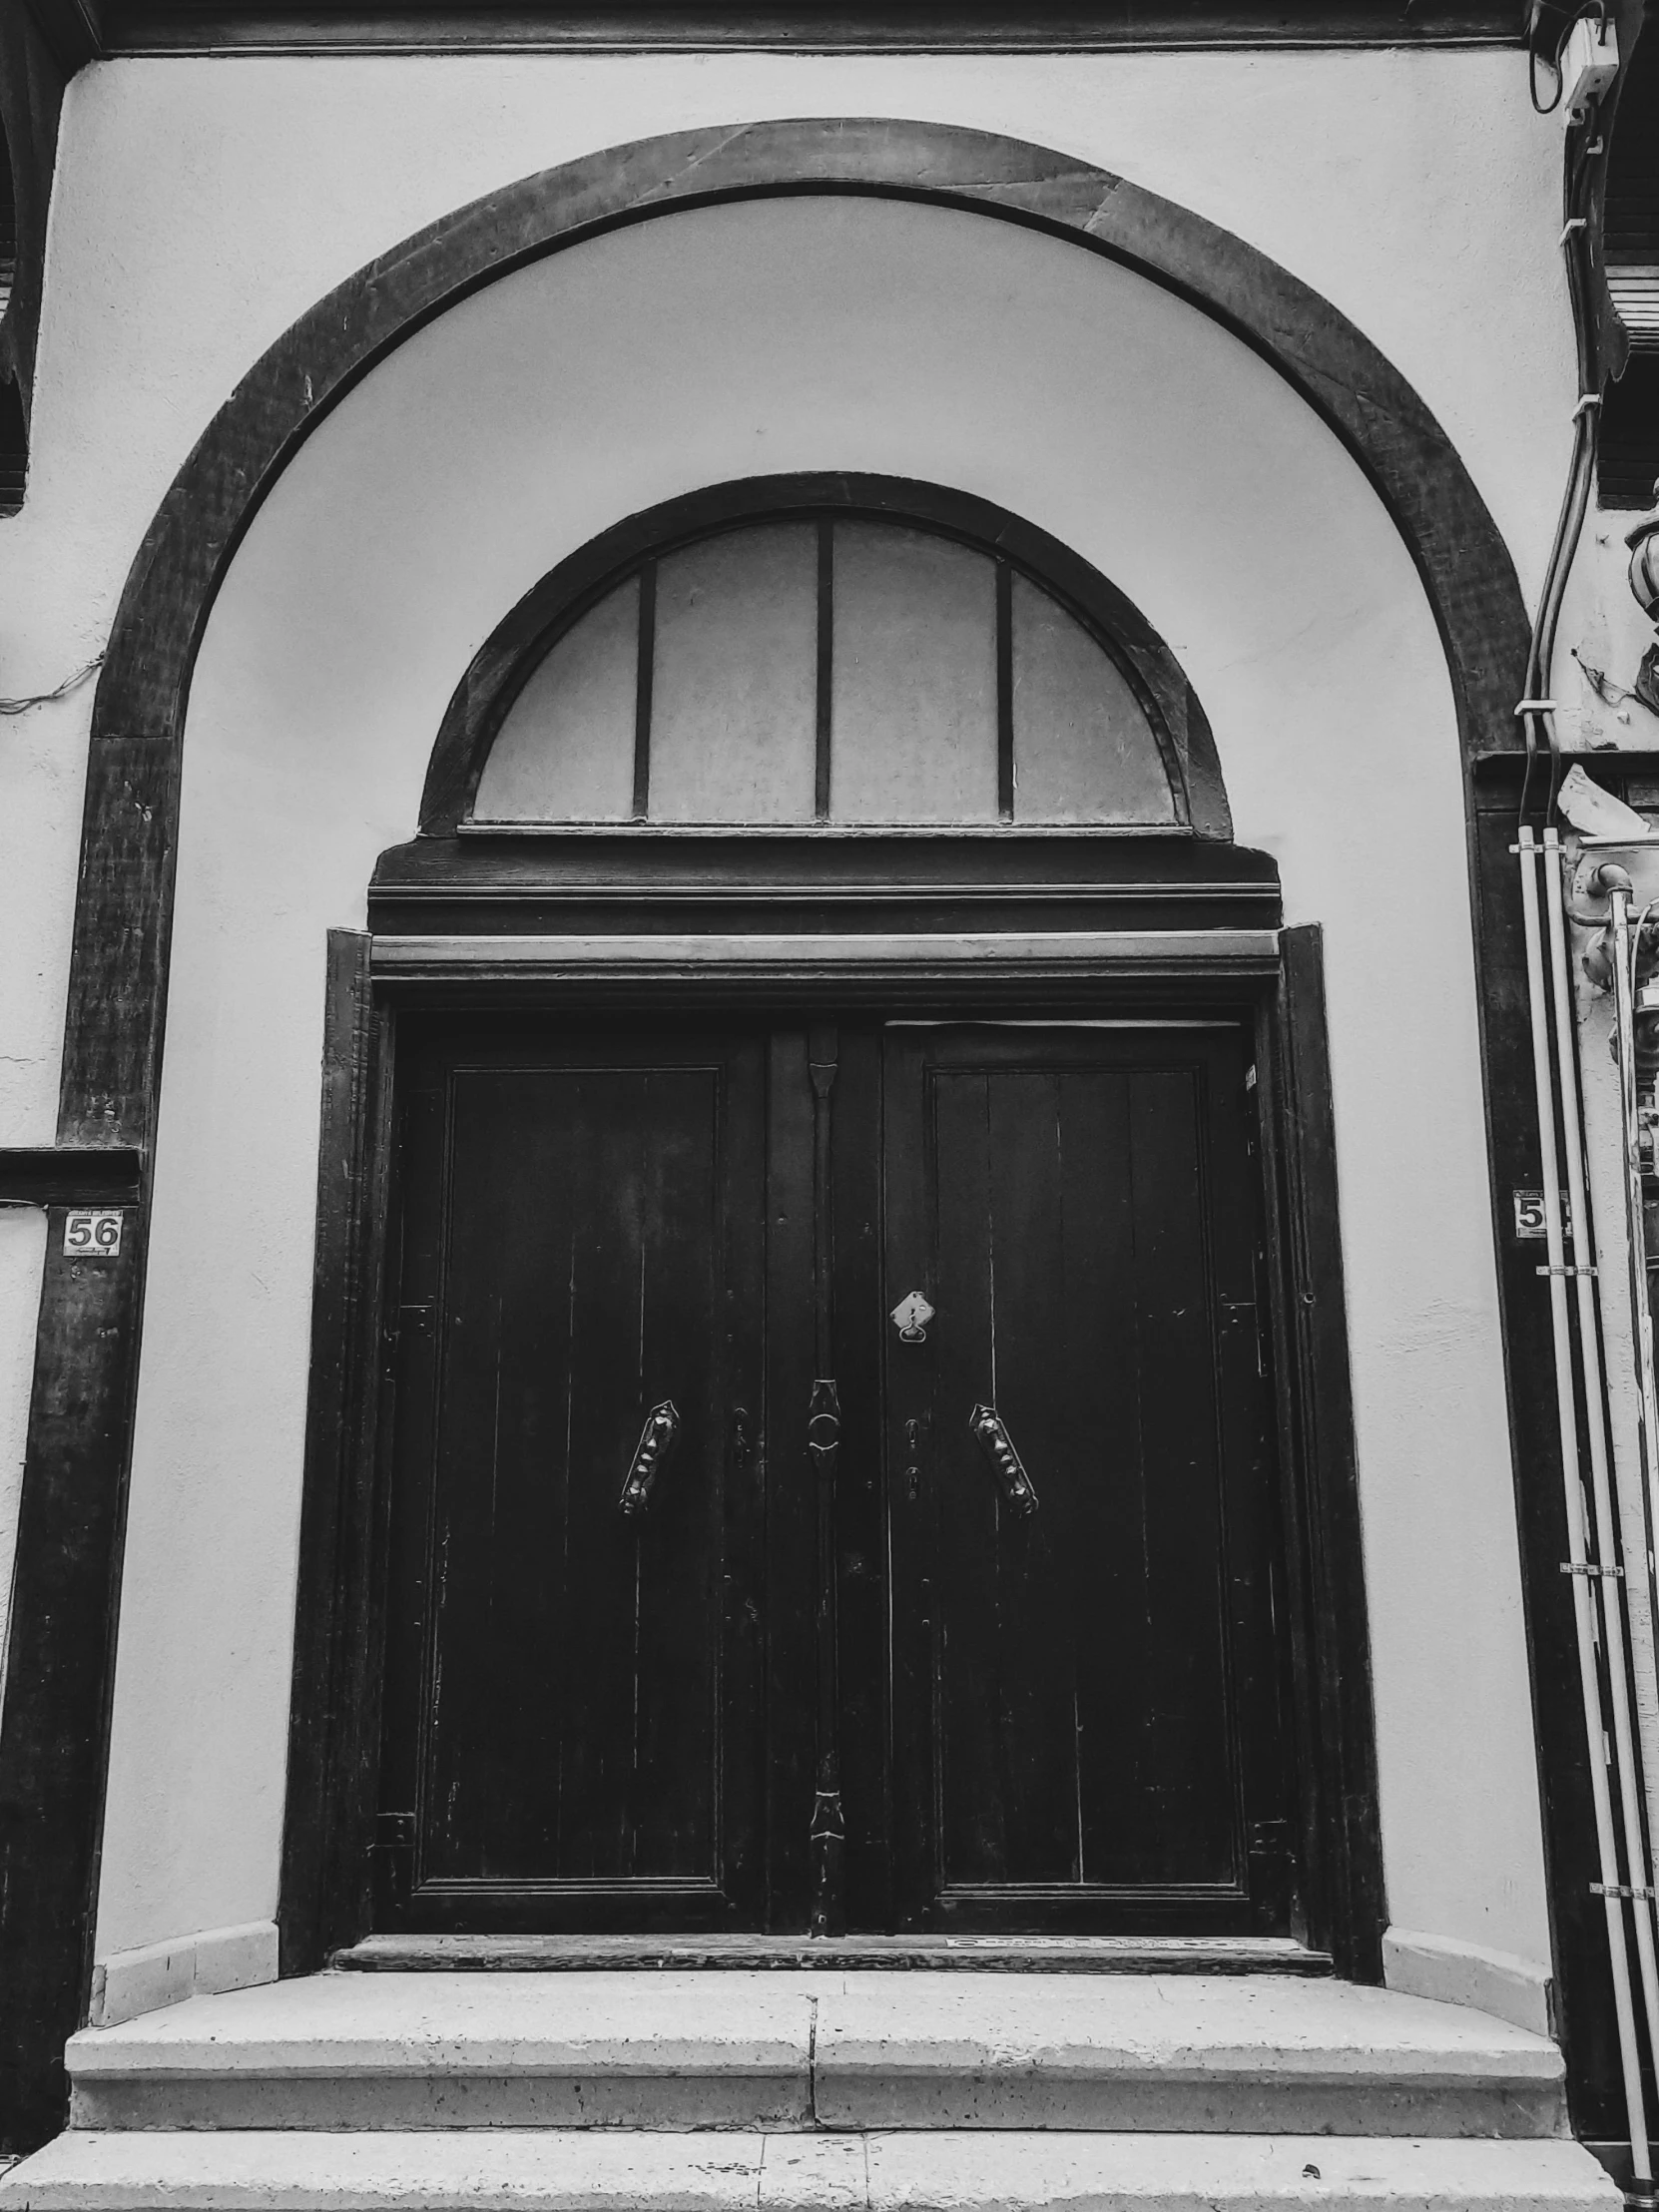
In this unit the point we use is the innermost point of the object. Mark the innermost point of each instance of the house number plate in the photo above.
(1531, 1217)
(93, 1235)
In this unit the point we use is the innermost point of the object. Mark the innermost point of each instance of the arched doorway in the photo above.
(835, 1471)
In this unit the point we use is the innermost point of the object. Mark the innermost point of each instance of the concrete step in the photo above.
(788, 2052)
(551, 2170)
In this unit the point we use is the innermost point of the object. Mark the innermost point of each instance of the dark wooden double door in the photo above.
(1066, 1720)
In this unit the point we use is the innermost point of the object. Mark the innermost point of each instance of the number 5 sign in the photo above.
(93, 1236)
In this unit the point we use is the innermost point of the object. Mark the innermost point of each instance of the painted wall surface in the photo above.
(807, 335)
(203, 205)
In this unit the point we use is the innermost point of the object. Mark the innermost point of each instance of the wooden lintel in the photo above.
(800, 26)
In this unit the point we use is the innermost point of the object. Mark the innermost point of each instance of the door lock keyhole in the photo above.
(913, 1474)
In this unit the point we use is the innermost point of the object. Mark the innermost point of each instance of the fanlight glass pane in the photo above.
(731, 717)
(733, 709)
(913, 725)
(1083, 749)
(565, 753)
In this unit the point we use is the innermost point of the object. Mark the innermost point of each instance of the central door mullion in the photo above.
(790, 1530)
(826, 1532)
(824, 1438)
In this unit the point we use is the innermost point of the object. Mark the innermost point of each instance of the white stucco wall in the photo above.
(202, 206)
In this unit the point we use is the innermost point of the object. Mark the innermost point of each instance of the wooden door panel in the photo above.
(582, 1714)
(1068, 1740)
(1070, 1722)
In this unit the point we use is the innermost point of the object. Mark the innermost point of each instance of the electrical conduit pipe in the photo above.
(1579, 1559)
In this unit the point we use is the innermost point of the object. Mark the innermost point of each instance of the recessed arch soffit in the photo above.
(114, 1027)
(1349, 383)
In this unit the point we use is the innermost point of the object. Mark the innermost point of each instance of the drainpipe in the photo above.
(1578, 1566)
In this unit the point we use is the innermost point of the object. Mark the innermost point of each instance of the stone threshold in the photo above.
(1138, 1954)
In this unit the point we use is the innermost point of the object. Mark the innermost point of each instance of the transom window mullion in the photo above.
(642, 695)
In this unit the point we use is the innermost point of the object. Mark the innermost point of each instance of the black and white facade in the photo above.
(780, 953)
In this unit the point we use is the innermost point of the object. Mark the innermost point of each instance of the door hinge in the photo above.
(1275, 1873)
(392, 1858)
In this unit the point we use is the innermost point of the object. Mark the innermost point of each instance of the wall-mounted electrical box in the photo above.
(1589, 63)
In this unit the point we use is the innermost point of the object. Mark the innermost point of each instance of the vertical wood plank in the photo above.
(913, 1486)
(678, 1576)
(1004, 691)
(861, 1477)
(789, 1506)
(644, 694)
(65, 1598)
(335, 1715)
(971, 1595)
(1326, 1460)
(824, 768)
(1103, 1403)
(1037, 1755)
(1188, 1752)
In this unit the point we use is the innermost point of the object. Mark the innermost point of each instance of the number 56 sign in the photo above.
(93, 1235)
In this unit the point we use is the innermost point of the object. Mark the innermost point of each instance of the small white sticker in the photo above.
(89, 1234)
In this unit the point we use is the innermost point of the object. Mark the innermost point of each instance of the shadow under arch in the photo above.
(54, 1731)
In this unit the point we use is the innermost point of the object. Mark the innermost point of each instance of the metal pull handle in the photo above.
(653, 1453)
(824, 1427)
(990, 1433)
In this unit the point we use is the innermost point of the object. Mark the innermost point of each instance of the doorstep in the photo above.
(544, 2170)
(774, 2051)
(834, 1953)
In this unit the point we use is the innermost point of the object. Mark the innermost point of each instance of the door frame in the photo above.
(1270, 980)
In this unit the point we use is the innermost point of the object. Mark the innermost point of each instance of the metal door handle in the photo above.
(653, 1453)
(989, 1431)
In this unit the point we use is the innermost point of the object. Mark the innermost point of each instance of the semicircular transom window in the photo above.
(843, 669)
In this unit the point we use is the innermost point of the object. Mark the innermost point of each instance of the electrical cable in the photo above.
(1537, 721)
(46, 698)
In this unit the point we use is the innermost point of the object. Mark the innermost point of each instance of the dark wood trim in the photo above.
(70, 1175)
(510, 655)
(178, 26)
(71, 29)
(335, 1718)
(1004, 691)
(38, 55)
(622, 880)
(1342, 1843)
(644, 687)
(65, 1595)
(825, 696)
(55, 1724)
